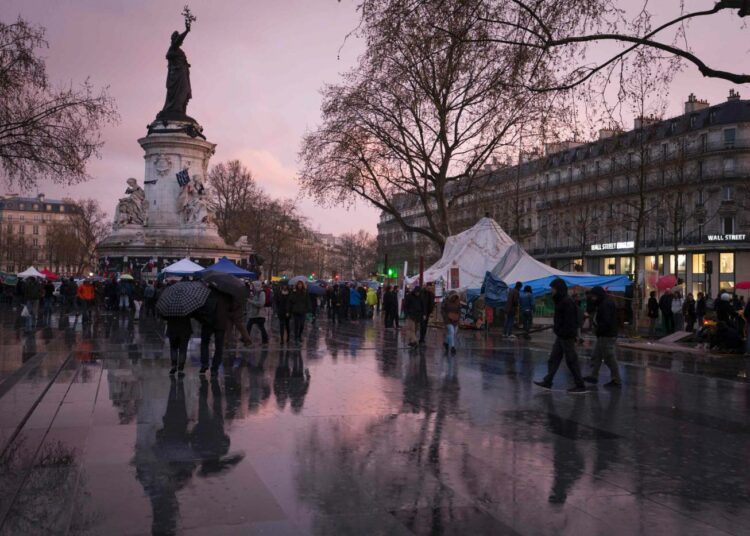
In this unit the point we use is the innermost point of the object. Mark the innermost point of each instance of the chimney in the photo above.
(641, 122)
(733, 95)
(605, 133)
(40, 197)
(693, 104)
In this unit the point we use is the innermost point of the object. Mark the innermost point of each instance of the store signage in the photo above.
(725, 237)
(613, 245)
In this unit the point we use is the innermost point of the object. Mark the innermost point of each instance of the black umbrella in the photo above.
(181, 299)
(226, 283)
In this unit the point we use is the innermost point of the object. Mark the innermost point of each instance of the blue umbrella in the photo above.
(316, 290)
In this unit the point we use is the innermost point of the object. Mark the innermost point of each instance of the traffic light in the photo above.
(392, 273)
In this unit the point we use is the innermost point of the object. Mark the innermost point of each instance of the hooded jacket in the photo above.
(606, 314)
(566, 313)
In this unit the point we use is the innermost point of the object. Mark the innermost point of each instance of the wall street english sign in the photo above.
(726, 237)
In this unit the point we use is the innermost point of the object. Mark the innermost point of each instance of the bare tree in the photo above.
(233, 193)
(46, 133)
(559, 32)
(360, 251)
(420, 115)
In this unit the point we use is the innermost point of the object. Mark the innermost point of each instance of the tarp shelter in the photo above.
(610, 283)
(182, 267)
(31, 272)
(467, 256)
(228, 267)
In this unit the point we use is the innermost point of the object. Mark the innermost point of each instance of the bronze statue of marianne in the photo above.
(178, 75)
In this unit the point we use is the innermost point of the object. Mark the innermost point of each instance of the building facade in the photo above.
(25, 227)
(673, 193)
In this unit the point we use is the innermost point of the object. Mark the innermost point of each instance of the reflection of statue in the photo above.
(192, 202)
(178, 74)
(131, 209)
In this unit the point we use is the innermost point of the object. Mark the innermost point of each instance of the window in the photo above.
(704, 142)
(727, 226)
(681, 263)
(21, 229)
(610, 267)
(727, 283)
(651, 263)
(35, 241)
(49, 208)
(699, 263)
(36, 230)
(728, 165)
(627, 265)
(726, 263)
(693, 121)
(728, 193)
(729, 136)
(712, 116)
(700, 169)
(663, 151)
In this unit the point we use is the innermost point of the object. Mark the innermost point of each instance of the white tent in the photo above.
(486, 248)
(31, 272)
(468, 255)
(182, 267)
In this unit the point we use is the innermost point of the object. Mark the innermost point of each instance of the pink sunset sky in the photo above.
(257, 69)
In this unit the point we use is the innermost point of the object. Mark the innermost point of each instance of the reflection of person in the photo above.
(168, 466)
(209, 440)
(299, 382)
(568, 460)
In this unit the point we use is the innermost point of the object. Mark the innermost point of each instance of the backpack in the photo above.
(267, 292)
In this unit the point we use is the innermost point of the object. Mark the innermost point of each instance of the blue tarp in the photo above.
(228, 267)
(497, 290)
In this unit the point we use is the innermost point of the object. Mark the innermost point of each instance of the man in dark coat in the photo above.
(665, 306)
(414, 310)
(566, 329)
(428, 305)
(390, 307)
(605, 328)
(216, 316)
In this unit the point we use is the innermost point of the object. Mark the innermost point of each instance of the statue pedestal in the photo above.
(170, 147)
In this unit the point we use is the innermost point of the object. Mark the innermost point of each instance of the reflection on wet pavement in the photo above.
(352, 433)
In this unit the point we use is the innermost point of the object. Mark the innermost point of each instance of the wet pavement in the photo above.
(352, 433)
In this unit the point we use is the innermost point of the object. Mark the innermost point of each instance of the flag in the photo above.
(182, 177)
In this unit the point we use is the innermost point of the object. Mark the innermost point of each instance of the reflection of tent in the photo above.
(183, 267)
(228, 267)
(30, 272)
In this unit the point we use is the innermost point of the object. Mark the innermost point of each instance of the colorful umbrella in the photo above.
(743, 285)
(126, 276)
(666, 282)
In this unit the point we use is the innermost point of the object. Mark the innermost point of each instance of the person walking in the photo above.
(217, 315)
(299, 305)
(746, 314)
(255, 317)
(667, 318)
(362, 302)
(372, 302)
(354, 303)
(138, 297)
(390, 307)
(149, 297)
(689, 312)
(511, 306)
(565, 327)
(451, 316)
(428, 305)
(179, 331)
(605, 329)
(414, 309)
(653, 313)
(86, 295)
(49, 301)
(526, 304)
(677, 316)
(700, 309)
(32, 293)
(344, 304)
(281, 304)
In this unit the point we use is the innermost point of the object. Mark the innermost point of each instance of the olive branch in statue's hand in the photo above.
(189, 17)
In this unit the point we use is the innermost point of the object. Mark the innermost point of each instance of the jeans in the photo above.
(450, 335)
(299, 326)
(509, 321)
(526, 318)
(124, 301)
(261, 323)
(33, 306)
(564, 348)
(604, 351)
(206, 332)
(137, 304)
(284, 327)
